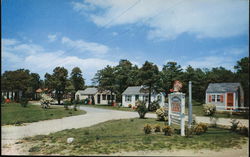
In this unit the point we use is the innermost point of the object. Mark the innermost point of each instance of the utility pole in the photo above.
(190, 105)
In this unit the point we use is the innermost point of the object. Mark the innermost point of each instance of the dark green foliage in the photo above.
(77, 79)
(57, 81)
(154, 106)
(149, 76)
(24, 102)
(141, 108)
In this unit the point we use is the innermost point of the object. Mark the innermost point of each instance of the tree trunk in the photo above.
(58, 97)
(112, 98)
(149, 98)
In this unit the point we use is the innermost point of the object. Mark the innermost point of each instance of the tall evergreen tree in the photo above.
(149, 76)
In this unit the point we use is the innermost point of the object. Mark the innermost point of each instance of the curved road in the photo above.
(11, 134)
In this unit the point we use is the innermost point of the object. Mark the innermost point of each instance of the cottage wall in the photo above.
(141, 98)
(223, 105)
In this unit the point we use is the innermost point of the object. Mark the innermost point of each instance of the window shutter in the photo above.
(210, 98)
(221, 98)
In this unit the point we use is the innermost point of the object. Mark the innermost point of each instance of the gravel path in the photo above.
(10, 134)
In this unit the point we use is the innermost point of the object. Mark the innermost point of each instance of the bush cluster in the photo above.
(157, 128)
(200, 128)
(241, 129)
(147, 129)
(168, 131)
(46, 101)
(162, 114)
(209, 109)
(141, 108)
(154, 105)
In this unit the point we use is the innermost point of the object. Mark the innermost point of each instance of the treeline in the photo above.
(118, 78)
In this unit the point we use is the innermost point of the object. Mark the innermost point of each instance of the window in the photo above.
(145, 98)
(128, 98)
(113, 97)
(108, 97)
(136, 97)
(218, 98)
(104, 97)
(213, 98)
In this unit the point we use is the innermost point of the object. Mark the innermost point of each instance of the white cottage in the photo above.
(93, 94)
(226, 96)
(132, 94)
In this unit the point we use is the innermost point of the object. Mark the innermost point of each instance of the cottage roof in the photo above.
(91, 90)
(222, 87)
(135, 90)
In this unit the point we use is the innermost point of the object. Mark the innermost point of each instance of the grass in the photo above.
(128, 135)
(198, 111)
(13, 113)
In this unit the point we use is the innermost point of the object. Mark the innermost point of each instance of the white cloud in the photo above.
(168, 19)
(8, 42)
(83, 46)
(52, 37)
(42, 61)
(211, 62)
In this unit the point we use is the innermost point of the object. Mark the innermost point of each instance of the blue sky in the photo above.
(42, 34)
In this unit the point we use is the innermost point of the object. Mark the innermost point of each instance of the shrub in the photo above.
(24, 102)
(141, 108)
(66, 103)
(209, 109)
(168, 131)
(204, 126)
(129, 105)
(157, 128)
(234, 125)
(243, 130)
(154, 105)
(147, 129)
(162, 113)
(198, 130)
(46, 101)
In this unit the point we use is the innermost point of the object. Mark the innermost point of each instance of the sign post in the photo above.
(176, 107)
(190, 105)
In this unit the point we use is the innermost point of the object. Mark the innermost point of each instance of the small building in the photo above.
(93, 94)
(134, 93)
(226, 96)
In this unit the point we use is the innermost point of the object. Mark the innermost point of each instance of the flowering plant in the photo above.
(209, 109)
(46, 101)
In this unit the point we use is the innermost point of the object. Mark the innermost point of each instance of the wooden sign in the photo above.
(176, 110)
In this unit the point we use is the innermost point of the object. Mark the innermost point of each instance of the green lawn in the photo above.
(127, 135)
(198, 111)
(13, 113)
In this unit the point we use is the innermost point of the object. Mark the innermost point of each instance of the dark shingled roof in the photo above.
(222, 87)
